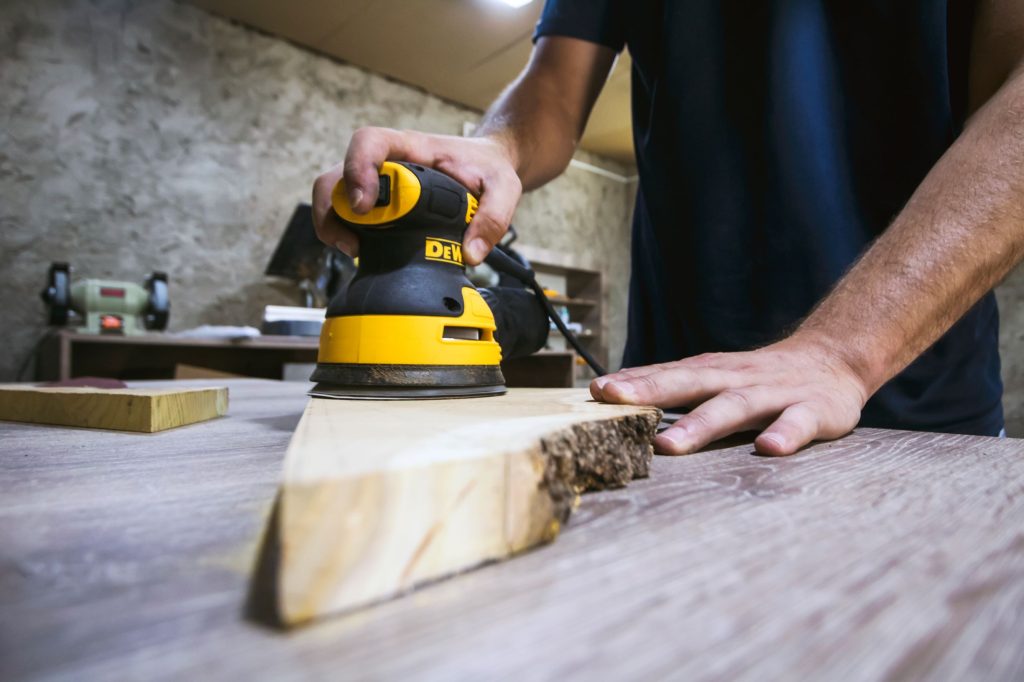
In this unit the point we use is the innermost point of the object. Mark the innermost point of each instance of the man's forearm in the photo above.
(540, 139)
(540, 117)
(959, 235)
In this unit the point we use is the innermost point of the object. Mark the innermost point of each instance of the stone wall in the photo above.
(147, 134)
(142, 135)
(1011, 345)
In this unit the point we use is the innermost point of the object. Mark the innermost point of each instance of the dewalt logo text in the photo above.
(444, 250)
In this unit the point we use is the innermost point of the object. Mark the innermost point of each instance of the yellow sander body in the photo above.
(409, 324)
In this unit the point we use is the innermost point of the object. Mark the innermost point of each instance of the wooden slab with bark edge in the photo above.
(381, 496)
(121, 409)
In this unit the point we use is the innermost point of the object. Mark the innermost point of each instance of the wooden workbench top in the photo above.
(884, 555)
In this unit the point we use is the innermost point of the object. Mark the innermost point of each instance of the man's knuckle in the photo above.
(369, 141)
(497, 176)
(512, 182)
(351, 168)
(324, 183)
(445, 160)
(375, 131)
(647, 383)
(489, 225)
(326, 235)
(700, 420)
(740, 398)
(807, 417)
(361, 136)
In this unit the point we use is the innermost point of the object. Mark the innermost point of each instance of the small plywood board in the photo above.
(122, 409)
(381, 496)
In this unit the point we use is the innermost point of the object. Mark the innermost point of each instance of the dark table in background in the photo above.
(885, 555)
(66, 354)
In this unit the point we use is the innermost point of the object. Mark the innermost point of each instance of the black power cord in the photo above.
(502, 262)
(32, 354)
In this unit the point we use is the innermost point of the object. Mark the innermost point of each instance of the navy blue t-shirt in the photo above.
(775, 140)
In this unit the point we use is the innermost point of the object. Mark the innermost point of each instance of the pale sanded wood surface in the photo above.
(121, 409)
(378, 497)
(886, 555)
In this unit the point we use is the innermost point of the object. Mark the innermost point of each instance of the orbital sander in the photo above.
(410, 324)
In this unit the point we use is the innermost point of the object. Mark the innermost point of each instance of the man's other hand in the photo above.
(794, 392)
(483, 165)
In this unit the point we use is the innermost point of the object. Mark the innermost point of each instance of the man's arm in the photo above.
(526, 138)
(540, 117)
(959, 235)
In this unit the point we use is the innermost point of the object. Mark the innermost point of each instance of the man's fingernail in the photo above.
(624, 389)
(355, 195)
(672, 440)
(341, 246)
(600, 382)
(477, 249)
(775, 440)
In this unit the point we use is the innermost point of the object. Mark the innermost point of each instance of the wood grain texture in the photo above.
(884, 556)
(121, 409)
(378, 497)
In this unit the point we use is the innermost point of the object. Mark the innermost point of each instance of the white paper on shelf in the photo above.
(293, 313)
(218, 331)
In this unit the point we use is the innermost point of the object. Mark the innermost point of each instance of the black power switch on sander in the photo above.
(411, 324)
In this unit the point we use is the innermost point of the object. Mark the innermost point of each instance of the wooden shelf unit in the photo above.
(66, 354)
(573, 302)
(582, 289)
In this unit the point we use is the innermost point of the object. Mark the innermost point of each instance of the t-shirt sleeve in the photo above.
(596, 21)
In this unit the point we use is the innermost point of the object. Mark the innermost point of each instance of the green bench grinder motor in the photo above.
(107, 306)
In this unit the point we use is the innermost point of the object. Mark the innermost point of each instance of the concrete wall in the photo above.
(1011, 345)
(148, 134)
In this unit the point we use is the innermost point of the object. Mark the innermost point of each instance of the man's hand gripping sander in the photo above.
(410, 324)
